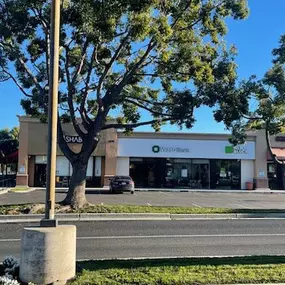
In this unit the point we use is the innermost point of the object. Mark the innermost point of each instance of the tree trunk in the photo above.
(76, 193)
(283, 177)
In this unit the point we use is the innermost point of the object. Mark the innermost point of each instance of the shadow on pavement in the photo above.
(107, 264)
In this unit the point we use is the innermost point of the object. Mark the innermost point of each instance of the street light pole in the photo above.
(45, 258)
(49, 219)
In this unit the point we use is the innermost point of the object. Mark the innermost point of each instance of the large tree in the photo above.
(146, 62)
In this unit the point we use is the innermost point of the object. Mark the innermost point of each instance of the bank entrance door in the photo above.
(40, 175)
(148, 172)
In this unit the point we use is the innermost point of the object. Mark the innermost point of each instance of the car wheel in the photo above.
(132, 191)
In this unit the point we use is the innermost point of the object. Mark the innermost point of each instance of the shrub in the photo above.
(4, 280)
(11, 267)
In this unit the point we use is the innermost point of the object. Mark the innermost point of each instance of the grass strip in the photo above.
(39, 209)
(262, 269)
(20, 189)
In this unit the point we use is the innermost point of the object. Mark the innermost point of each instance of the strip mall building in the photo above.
(153, 160)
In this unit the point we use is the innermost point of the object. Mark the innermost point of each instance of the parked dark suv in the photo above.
(121, 184)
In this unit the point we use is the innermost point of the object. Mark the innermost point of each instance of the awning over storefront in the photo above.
(279, 152)
(10, 158)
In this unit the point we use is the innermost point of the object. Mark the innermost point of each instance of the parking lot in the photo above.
(160, 198)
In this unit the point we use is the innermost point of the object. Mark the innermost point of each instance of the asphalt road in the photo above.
(195, 199)
(138, 239)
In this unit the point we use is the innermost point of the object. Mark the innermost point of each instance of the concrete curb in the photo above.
(84, 217)
(227, 216)
(123, 216)
(213, 191)
(260, 191)
(3, 191)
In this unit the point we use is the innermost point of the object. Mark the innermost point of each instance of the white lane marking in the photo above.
(164, 193)
(163, 236)
(178, 236)
(148, 204)
(10, 240)
(196, 205)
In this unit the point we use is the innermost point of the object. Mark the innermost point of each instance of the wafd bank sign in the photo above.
(132, 147)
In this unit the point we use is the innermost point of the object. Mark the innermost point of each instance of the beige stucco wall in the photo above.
(182, 136)
(22, 175)
(33, 141)
(38, 135)
(260, 167)
(111, 149)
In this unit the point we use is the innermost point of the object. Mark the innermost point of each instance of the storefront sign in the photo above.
(157, 149)
(239, 149)
(197, 149)
(72, 139)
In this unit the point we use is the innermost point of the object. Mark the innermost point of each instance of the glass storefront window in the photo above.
(170, 172)
(225, 174)
(186, 173)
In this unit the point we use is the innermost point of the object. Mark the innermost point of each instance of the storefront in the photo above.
(153, 160)
(186, 173)
(32, 158)
(188, 163)
(64, 171)
(276, 172)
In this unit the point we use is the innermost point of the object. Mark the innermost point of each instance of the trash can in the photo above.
(249, 185)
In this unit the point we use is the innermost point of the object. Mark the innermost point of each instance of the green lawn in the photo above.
(39, 209)
(262, 269)
(20, 189)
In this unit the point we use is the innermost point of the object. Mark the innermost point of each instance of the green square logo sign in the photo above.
(155, 149)
(229, 149)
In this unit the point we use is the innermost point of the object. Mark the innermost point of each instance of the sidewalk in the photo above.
(265, 191)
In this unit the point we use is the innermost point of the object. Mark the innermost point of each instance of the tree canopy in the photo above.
(266, 100)
(144, 62)
(9, 142)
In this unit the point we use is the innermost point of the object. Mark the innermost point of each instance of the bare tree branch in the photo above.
(149, 109)
(66, 67)
(17, 83)
(31, 74)
(109, 65)
(80, 66)
(135, 125)
(200, 19)
(187, 6)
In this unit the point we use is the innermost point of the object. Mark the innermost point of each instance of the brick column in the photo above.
(22, 174)
(111, 155)
(261, 179)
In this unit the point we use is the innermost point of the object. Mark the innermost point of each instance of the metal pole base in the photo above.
(48, 223)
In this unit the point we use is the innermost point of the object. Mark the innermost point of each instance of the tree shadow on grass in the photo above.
(127, 264)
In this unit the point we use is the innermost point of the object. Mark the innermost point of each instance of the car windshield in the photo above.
(122, 177)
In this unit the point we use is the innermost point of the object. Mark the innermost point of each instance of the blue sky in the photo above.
(254, 38)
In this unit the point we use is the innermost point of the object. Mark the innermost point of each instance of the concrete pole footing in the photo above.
(48, 254)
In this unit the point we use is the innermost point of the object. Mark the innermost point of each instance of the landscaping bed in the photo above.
(263, 269)
(39, 209)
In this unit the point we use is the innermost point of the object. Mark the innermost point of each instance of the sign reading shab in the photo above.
(72, 139)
